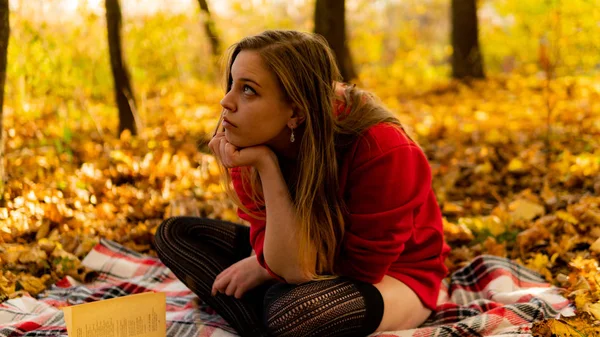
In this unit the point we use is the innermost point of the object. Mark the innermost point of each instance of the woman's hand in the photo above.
(232, 156)
(240, 277)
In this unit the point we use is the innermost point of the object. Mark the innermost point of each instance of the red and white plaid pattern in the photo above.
(490, 296)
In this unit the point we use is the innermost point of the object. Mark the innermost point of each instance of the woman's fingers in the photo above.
(231, 287)
(215, 287)
(230, 150)
(238, 278)
(215, 145)
(226, 152)
(239, 291)
(215, 140)
(221, 156)
(221, 276)
(220, 286)
(226, 283)
(221, 282)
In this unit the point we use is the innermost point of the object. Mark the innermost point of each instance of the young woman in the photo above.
(345, 235)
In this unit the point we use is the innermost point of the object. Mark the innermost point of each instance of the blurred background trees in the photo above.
(407, 43)
(466, 55)
(59, 64)
(330, 21)
(122, 85)
(210, 29)
(383, 37)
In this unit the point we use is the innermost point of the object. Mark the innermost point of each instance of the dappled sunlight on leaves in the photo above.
(506, 185)
(63, 196)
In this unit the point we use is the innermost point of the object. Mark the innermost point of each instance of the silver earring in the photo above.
(292, 138)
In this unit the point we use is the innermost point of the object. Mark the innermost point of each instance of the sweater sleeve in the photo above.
(383, 193)
(257, 226)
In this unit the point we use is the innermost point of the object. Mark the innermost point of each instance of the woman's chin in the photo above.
(235, 141)
(240, 142)
(230, 139)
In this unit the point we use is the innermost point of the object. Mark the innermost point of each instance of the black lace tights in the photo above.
(198, 249)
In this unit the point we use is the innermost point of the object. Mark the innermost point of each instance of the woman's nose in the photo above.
(227, 102)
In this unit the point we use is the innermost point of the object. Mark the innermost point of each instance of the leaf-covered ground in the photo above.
(516, 165)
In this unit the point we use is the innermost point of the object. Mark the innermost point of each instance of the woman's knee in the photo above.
(169, 233)
(161, 231)
(275, 299)
(350, 308)
(178, 226)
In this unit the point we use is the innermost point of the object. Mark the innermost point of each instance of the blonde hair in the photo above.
(307, 72)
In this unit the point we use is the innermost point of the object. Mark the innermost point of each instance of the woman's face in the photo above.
(256, 111)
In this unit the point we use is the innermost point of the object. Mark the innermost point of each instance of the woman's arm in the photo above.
(281, 238)
(280, 247)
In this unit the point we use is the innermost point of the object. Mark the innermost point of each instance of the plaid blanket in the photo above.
(490, 296)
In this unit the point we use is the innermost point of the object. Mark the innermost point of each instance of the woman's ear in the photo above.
(297, 118)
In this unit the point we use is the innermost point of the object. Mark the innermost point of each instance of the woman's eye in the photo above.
(248, 90)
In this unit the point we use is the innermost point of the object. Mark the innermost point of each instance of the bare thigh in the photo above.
(402, 307)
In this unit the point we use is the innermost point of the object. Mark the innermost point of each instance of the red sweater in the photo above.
(394, 224)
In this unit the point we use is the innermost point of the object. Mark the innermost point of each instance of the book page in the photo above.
(140, 315)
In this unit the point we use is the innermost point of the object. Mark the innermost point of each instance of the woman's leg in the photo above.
(197, 250)
(338, 307)
(404, 309)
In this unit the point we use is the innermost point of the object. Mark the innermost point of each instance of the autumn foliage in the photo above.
(515, 158)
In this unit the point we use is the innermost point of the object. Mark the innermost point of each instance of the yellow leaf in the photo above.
(548, 195)
(229, 215)
(540, 263)
(454, 232)
(555, 328)
(595, 247)
(46, 245)
(120, 156)
(495, 137)
(568, 217)
(525, 209)
(516, 165)
(492, 247)
(453, 208)
(594, 309)
(491, 223)
(485, 168)
(32, 284)
(495, 225)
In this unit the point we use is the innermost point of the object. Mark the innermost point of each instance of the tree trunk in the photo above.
(331, 23)
(123, 91)
(4, 34)
(211, 31)
(467, 61)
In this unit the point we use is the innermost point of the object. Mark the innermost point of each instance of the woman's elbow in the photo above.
(286, 268)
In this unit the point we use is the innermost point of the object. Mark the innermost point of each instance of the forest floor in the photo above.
(516, 165)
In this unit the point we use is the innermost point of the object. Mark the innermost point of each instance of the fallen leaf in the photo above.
(594, 309)
(525, 210)
(595, 247)
(568, 217)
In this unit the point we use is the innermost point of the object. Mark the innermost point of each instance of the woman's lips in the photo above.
(227, 123)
